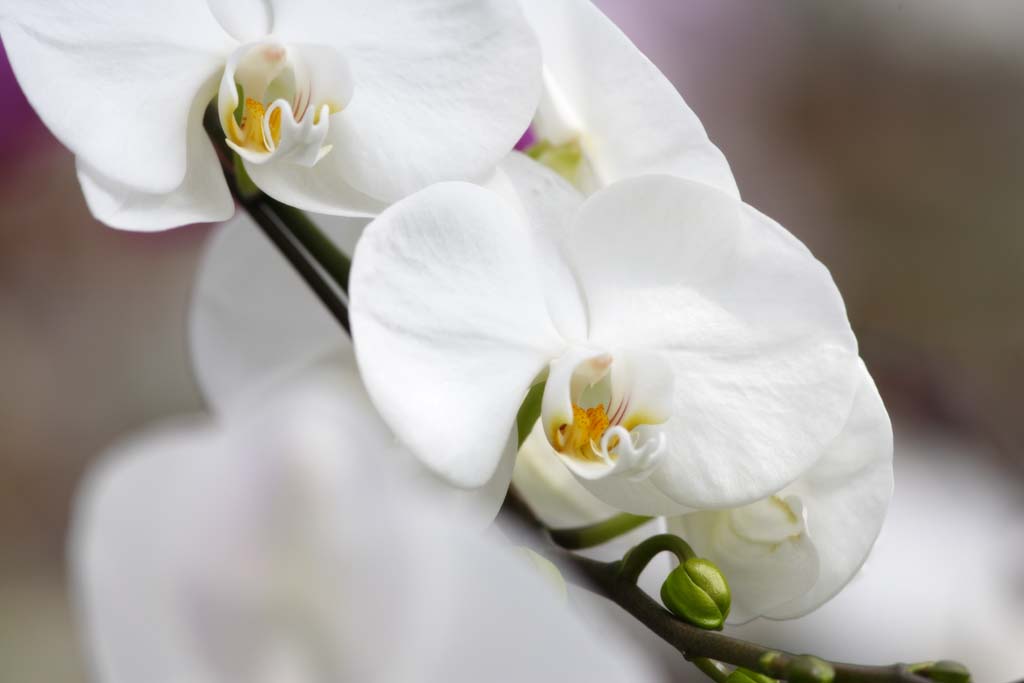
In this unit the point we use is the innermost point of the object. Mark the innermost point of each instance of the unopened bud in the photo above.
(696, 592)
(809, 669)
(947, 671)
(741, 675)
(772, 663)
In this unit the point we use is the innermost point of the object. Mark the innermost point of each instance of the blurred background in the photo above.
(888, 135)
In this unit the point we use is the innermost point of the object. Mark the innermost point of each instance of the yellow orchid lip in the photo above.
(587, 427)
(252, 134)
(274, 100)
(603, 413)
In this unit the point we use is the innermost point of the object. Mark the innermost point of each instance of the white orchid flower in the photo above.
(608, 109)
(276, 546)
(338, 107)
(784, 556)
(788, 554)
(695, 354)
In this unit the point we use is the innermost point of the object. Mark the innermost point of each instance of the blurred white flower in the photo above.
(696, 354)
(604, 97)
(279, 545)
(343, 106)
(252, 319)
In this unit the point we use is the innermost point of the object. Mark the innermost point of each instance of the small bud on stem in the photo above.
(809, 669)
(695, 591)
(741, 675)
(943, 671)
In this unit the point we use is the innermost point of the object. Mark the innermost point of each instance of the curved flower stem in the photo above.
(288, 229)
(694, 643)
(581, 537)
(637, 559)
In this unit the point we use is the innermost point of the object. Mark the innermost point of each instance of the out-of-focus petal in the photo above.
(601, 89)
(335, 372)
(252, 318)
(275, 546)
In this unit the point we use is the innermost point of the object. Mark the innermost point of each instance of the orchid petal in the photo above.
(847, 495)
(921, 594)
(763, 358)
(548, 204)
(116, 80)
(321, 188)
(762, 574)
(202, 197)
(601, 89)
(252, 318)
(639, 497)
(783, 567)
(450, 324)
(443, 89)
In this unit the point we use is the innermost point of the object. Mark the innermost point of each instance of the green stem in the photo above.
(281, 227)
(333, 260)
(529, 411)
(639, 557)
(581, 537)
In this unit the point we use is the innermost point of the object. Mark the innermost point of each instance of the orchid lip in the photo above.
(275, 100)
(602, 416)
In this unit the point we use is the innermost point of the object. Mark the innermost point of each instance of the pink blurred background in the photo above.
(889, 136)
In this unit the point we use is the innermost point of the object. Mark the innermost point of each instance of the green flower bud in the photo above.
(741, 675)
(809, 669)
(697, 593)
(947, 671)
